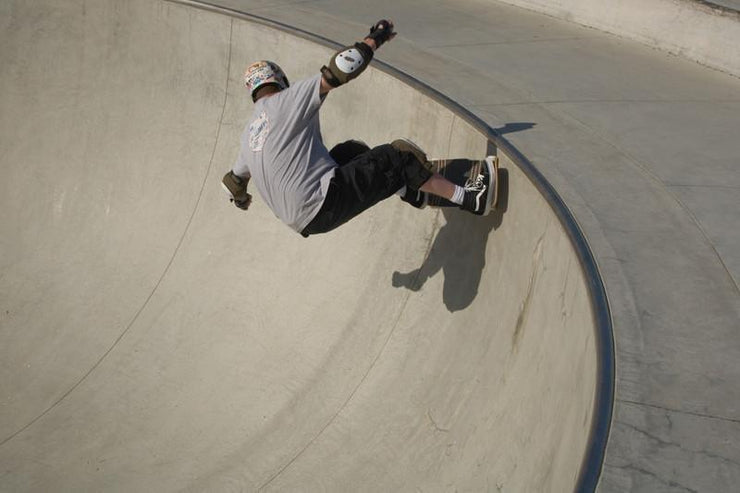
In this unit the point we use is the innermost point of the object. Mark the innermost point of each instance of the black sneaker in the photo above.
(481, 189)
(405, 145)
(416, 198)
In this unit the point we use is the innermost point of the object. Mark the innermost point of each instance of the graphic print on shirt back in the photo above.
(258, 131)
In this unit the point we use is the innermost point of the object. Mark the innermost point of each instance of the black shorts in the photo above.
(364, 177)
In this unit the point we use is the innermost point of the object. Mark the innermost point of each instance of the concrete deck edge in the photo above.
(593, 459)
(694, 29)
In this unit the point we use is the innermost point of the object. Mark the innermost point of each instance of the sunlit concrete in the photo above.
(155, 338)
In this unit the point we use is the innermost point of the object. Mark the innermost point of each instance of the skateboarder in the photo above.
(310, 188)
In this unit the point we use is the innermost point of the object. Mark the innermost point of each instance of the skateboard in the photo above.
(461, 171)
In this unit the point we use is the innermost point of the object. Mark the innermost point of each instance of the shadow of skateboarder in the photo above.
(459, 251)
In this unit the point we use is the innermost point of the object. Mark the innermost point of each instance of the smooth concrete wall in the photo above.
(154, 337)
(693, 29)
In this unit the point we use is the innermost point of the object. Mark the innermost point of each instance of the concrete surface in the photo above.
(644, 147)
(155, 338)
(703, 31)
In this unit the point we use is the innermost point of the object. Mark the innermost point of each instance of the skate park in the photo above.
(156, 338)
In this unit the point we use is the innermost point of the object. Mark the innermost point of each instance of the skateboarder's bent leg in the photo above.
(345, 152)
(439, 186)
(364, 181)
(436, 184)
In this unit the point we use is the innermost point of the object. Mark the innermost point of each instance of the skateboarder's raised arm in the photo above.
(348, 63)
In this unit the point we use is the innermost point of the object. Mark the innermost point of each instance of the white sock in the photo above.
(457, 197)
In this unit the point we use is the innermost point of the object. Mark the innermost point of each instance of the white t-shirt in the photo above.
(283, 152)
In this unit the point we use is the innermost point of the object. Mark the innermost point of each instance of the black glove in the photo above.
(244, 202)
(236, 187)
(381, 32)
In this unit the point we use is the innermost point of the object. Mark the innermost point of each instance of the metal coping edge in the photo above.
(717, 7)
(592, 463)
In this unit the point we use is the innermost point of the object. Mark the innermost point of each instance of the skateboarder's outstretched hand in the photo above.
(348, 63)
(244, 203)
(236, 187)
(381, 32)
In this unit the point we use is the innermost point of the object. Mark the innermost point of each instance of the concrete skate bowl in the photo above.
(155, 338)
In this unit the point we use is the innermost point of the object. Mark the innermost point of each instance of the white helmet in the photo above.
(264, 73)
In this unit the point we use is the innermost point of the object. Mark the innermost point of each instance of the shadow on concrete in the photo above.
(459, 251)
(514, 127)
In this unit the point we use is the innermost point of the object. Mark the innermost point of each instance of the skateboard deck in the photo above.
(460, 170)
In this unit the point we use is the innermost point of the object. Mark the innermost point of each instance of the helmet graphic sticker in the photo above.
(264, 73)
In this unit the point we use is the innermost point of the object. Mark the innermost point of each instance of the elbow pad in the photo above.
(347, 64)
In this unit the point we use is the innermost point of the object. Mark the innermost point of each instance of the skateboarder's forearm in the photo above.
(326, 86)
(371, 43)
(349, 63)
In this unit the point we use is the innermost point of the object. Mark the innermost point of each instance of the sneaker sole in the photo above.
(424, 200)
(427, 164)
(492, 162)
(492, 195)
(412, 144)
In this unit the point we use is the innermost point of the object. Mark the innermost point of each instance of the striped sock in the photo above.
(457, 197)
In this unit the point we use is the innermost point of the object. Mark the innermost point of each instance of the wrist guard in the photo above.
(347, 64)
(381, 32)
